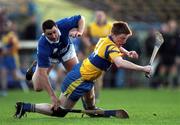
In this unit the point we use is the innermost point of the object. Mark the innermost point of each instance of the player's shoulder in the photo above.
(108, 43)
(103, 43)
(106, 40)
(42, 39)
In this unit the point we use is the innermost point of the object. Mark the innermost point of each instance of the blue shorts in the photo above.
(9, 62)
(74, 86)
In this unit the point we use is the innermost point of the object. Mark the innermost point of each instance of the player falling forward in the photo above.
(79, 81)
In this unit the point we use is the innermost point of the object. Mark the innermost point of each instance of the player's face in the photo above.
(100, 17)
(120, 39)
(52, 34)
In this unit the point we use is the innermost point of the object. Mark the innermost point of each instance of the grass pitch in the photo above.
(145, 107)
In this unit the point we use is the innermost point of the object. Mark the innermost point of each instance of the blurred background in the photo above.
(20, 28)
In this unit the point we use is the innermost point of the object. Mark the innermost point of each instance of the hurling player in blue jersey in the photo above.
(79, 82)
(54, 46)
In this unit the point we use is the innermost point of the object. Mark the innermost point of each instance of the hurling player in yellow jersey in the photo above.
(101, 28)
(79, 82)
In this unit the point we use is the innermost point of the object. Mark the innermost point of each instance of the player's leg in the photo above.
(21, 78)
(41, 108)
(3, 77)
(89, 100)
(46, 109)
(70, 59)
(30, 71)
(98, 87)
(71, 93)
(61, 73)
(11, 64)
(172, 77)
(162, 74)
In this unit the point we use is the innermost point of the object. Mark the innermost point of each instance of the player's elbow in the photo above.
(82, 18)
(119, 65)
(82, 22)
(119, 62)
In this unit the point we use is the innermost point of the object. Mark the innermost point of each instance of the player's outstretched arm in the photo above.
(41, 81)
(121, 63)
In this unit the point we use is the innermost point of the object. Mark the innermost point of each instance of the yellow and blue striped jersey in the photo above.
(100, 60)
(10, 42)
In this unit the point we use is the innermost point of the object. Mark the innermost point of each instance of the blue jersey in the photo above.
(48, 52)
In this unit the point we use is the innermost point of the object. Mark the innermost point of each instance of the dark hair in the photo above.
(48, 24)
(121, 27)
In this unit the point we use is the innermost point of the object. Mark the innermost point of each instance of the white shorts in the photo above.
(71, 53)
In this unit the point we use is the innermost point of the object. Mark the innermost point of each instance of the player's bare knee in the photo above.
(38, 90)
(37, 86)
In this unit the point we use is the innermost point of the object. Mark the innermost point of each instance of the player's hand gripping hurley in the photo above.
(159, 41)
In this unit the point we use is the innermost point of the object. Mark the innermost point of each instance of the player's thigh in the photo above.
(99, 82)
(50, 68)
(173, 69)
(162, 69)
(35, 80)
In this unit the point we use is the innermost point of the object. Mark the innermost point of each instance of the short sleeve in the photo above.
(112, 51)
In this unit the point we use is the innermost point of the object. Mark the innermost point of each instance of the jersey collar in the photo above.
(110, 37)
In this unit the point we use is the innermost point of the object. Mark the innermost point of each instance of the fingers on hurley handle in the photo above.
(148, 75)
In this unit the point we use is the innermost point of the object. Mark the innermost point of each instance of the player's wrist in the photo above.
(80, 31)
(53, 97)
(128, 54)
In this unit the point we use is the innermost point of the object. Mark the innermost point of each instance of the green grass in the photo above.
(140, 103)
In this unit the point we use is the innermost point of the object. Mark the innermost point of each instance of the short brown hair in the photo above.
(121, 27)
(48, 24)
